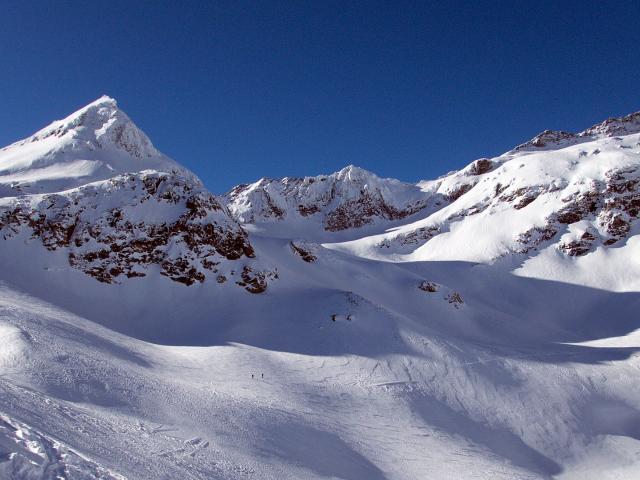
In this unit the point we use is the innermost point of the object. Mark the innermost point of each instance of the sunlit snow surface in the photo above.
(534, 375)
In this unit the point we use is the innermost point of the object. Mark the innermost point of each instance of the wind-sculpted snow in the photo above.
(29, 455)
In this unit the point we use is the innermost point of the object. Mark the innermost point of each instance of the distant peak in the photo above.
(104, 106)
(94, 115)
(105, 100)
(351, 172)
(103, 125)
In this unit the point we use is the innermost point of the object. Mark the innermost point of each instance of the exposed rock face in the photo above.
(459, 190)
(480, 167)
(413, 238)
(579, 247)
(255, 282)
(611, 207)
(549, 138)
(303, 252)
(427, 286)
(626, 125)
(120, 227)
(455, 299)
(361, 211)
(621, 204)
(535, 236)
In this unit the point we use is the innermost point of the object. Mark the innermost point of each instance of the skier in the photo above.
(333, 317)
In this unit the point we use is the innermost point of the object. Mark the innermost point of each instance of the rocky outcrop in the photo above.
(611, 127)
(303, 252)
(427, 286)
(455, 299)
(549, 138)
(255, 282)
(414, 238)
(120, 227)
(362, 211)
(614, 126)
(457, 191)
(580, 246)
(480, 167)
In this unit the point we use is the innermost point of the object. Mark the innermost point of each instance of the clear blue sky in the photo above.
(239, 90)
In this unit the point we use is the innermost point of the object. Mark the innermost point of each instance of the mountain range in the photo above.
(479, 325)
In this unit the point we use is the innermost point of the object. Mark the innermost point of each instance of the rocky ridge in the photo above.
(348, 199)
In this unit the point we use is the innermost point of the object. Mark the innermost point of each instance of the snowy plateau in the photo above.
(483, 325)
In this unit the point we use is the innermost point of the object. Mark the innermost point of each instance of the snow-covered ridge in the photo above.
(614, 126)
(562, 202)
(353, 197)
(347, 199)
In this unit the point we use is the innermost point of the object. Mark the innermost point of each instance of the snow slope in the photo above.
(393, 355)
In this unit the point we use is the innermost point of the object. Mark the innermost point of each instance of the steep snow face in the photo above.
(572, 201)
(97, 142)
(348, 199)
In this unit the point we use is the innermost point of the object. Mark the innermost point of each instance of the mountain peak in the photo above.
(354, 173)
(91, 114)
(96, 142)
(103, 101)
(101, 121)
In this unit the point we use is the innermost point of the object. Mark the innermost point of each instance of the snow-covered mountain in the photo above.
(94, 186)
(348, 199)
(479, 325)
(97, 142)
(561, 203)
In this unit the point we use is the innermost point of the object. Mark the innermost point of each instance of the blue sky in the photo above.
(239, 90)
